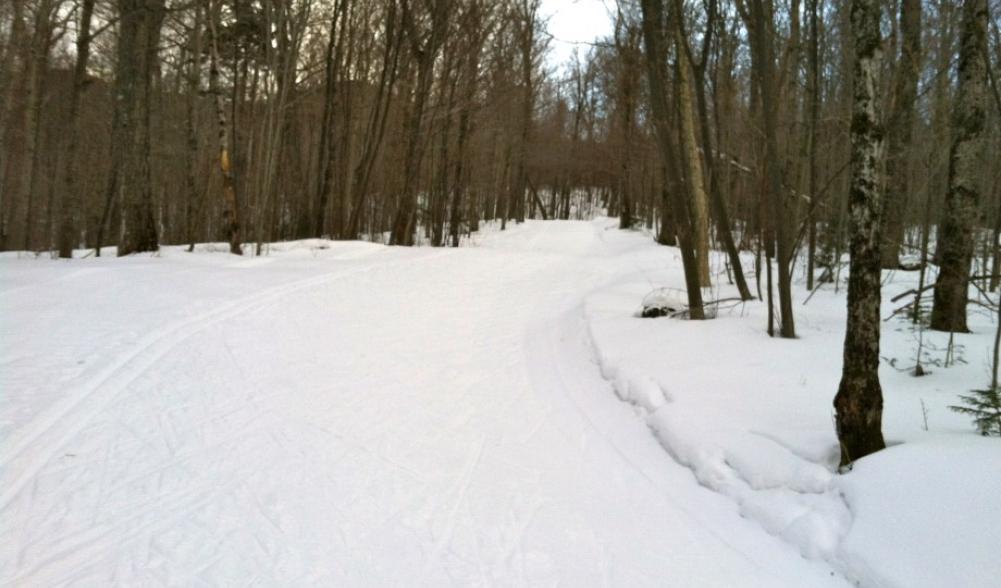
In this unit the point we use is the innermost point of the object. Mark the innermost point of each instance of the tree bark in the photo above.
(426, 53)
(955, 246)
(813, 80)
(859, 401)
(376, 128)
(656, 59)
(193, 83)
(327, 150)
(231, 220)
(16, 60)
(690, 153)
(72, 202)
(138, 44)
(38, 71)
(759, 20)
(900, 132)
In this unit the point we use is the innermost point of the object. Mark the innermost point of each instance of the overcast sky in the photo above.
(572, 21)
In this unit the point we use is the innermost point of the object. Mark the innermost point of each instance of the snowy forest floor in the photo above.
(344, 413)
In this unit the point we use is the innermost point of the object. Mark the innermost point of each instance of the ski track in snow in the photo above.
(30, 450)
(397, 417)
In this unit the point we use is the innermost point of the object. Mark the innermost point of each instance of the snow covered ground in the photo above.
(352, 414)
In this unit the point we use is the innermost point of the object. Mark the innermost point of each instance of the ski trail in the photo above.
(79, 551)
(26, 452)
(434, 418)
(460, 491)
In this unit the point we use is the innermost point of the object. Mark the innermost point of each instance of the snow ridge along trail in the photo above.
(345, 414)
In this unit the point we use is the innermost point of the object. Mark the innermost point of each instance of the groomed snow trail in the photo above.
(343, 414)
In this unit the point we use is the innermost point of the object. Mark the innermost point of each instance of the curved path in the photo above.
(351, 415)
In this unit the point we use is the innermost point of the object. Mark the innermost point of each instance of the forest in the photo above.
(254, 121)
(431, 235)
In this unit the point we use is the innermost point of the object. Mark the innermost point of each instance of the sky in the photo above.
(574, 21)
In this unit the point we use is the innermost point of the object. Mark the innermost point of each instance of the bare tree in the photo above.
(693, 172)
(336, 41)
(191, 126)
(69, 235)
(138, 44)
(231, 218)
(955, 243)
(900, 132)
(425, 42)
(656, 49)
(859, 401)
(758, 17)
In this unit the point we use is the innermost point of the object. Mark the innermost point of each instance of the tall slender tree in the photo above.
(425, 43)
(693, 172)
(72, 201)
(955, 244)
(655, 43)
(900, 132)
(138, 45)
(231, 210)
(859, 401)
(759, 18)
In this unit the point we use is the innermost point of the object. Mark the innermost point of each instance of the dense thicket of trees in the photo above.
(713, 123)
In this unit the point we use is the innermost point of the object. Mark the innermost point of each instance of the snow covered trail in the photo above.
(343, 414)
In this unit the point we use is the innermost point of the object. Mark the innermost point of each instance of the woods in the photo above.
(500, 292)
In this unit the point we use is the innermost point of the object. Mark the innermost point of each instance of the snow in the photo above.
(950, 513)
(343, 413)
(752, 418)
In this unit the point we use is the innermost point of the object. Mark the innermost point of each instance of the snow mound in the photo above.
(950, 509)
(751, 417)
(664, 302)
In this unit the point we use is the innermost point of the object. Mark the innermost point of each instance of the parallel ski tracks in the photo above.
(30, 449)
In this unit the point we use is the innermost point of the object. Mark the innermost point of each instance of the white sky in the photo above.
(574, 21)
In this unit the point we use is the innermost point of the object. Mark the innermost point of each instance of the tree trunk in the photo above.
(191, 125)
(717, 203)
(759, 22)
(813, 81)
(138, 44)
(426, 54)
(327, 151)
(955, 246)
(38, 71)
(16, 61)
(72, 201)
(656, 58)
(231, 219)
(690, 155)
(859, 401)
(527, 17)
(900, 131)
(376, 128)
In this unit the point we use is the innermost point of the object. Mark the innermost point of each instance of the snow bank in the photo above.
(752, 418)
(939, 530)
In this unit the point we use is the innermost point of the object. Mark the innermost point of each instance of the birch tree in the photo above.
(859, 401)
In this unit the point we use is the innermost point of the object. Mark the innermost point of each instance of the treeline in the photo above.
(716, 123)
(139, 122)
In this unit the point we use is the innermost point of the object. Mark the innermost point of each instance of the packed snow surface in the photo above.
(353, 414)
